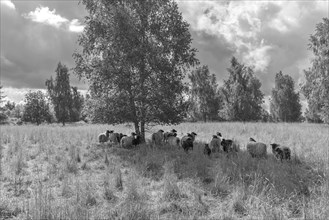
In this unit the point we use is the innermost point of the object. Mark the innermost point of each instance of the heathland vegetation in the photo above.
(51, 172)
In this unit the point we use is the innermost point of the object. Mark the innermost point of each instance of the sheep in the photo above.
(256, 149)
(230, 146)
(103, 137)
(157, 138)
(281, 152)
(173, 141)
(215, 144)
(130, 141)
(207, 150)
(168, 134)
(115, 138)
(187, 141)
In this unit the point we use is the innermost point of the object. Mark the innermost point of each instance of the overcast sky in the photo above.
(269, 35)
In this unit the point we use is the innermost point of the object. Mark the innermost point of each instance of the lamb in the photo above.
(207, 150)
(130, 141)
(173, 141)
(104, 137)
(215, 143)
(281, 152)
(157, 138)
(256, 149)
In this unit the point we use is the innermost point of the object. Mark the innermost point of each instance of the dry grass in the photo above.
(53, 172)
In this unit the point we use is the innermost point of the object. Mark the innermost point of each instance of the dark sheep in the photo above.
(281, 152)
(227, 145)
(207, 150)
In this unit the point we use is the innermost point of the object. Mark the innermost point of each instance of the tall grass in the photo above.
(52, 172)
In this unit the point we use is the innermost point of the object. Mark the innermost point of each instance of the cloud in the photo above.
(8, 4)
(46, 16)
(268, 35)
(75, 26)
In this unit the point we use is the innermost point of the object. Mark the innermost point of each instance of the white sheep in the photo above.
(256, 149)
(104, 137)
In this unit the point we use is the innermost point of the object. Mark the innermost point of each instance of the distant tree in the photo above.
(36, 109)
(76, 105)
(285, 105)
(316, 87)
(3, 115)
(241, 94)
(135, 55)
(67, 101)
(10, 105)
(2, 97)
(17, 112)
(205, 101)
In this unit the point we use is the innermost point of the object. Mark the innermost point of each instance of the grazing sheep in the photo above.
(215, 144)
(168, 134)
(115, 138)
(103, 137)
(173, 141)
(281, 152)
(207, 150)
(256, 149)
(187, 141)
(157, 138)
(130, 141)
(227, 145)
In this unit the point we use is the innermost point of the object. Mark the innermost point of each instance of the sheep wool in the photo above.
(257, 149)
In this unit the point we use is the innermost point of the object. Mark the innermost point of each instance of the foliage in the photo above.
(134, 56)
(204, 98)
(285, 105)
(67, 103)
(241, 94)
(316, 87)
(76, 105)
(36, 109)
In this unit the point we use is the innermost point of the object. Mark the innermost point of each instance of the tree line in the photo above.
(136, 56)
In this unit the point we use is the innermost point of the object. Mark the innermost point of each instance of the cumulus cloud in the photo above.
(8, 4)
(46, 16)
(268, 35)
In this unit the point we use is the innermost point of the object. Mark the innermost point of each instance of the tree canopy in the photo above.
(36, 109)
(204, 98)
(285, 105)
(135, 55)
(241, 94)
(316, 87)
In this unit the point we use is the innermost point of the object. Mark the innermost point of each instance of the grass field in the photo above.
(52, 172)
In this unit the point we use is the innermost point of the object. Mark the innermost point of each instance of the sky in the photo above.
(270, 36)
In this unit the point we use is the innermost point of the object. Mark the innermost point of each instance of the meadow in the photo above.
(52, 172)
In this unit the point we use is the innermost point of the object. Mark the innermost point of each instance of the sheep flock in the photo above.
(217, 143)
